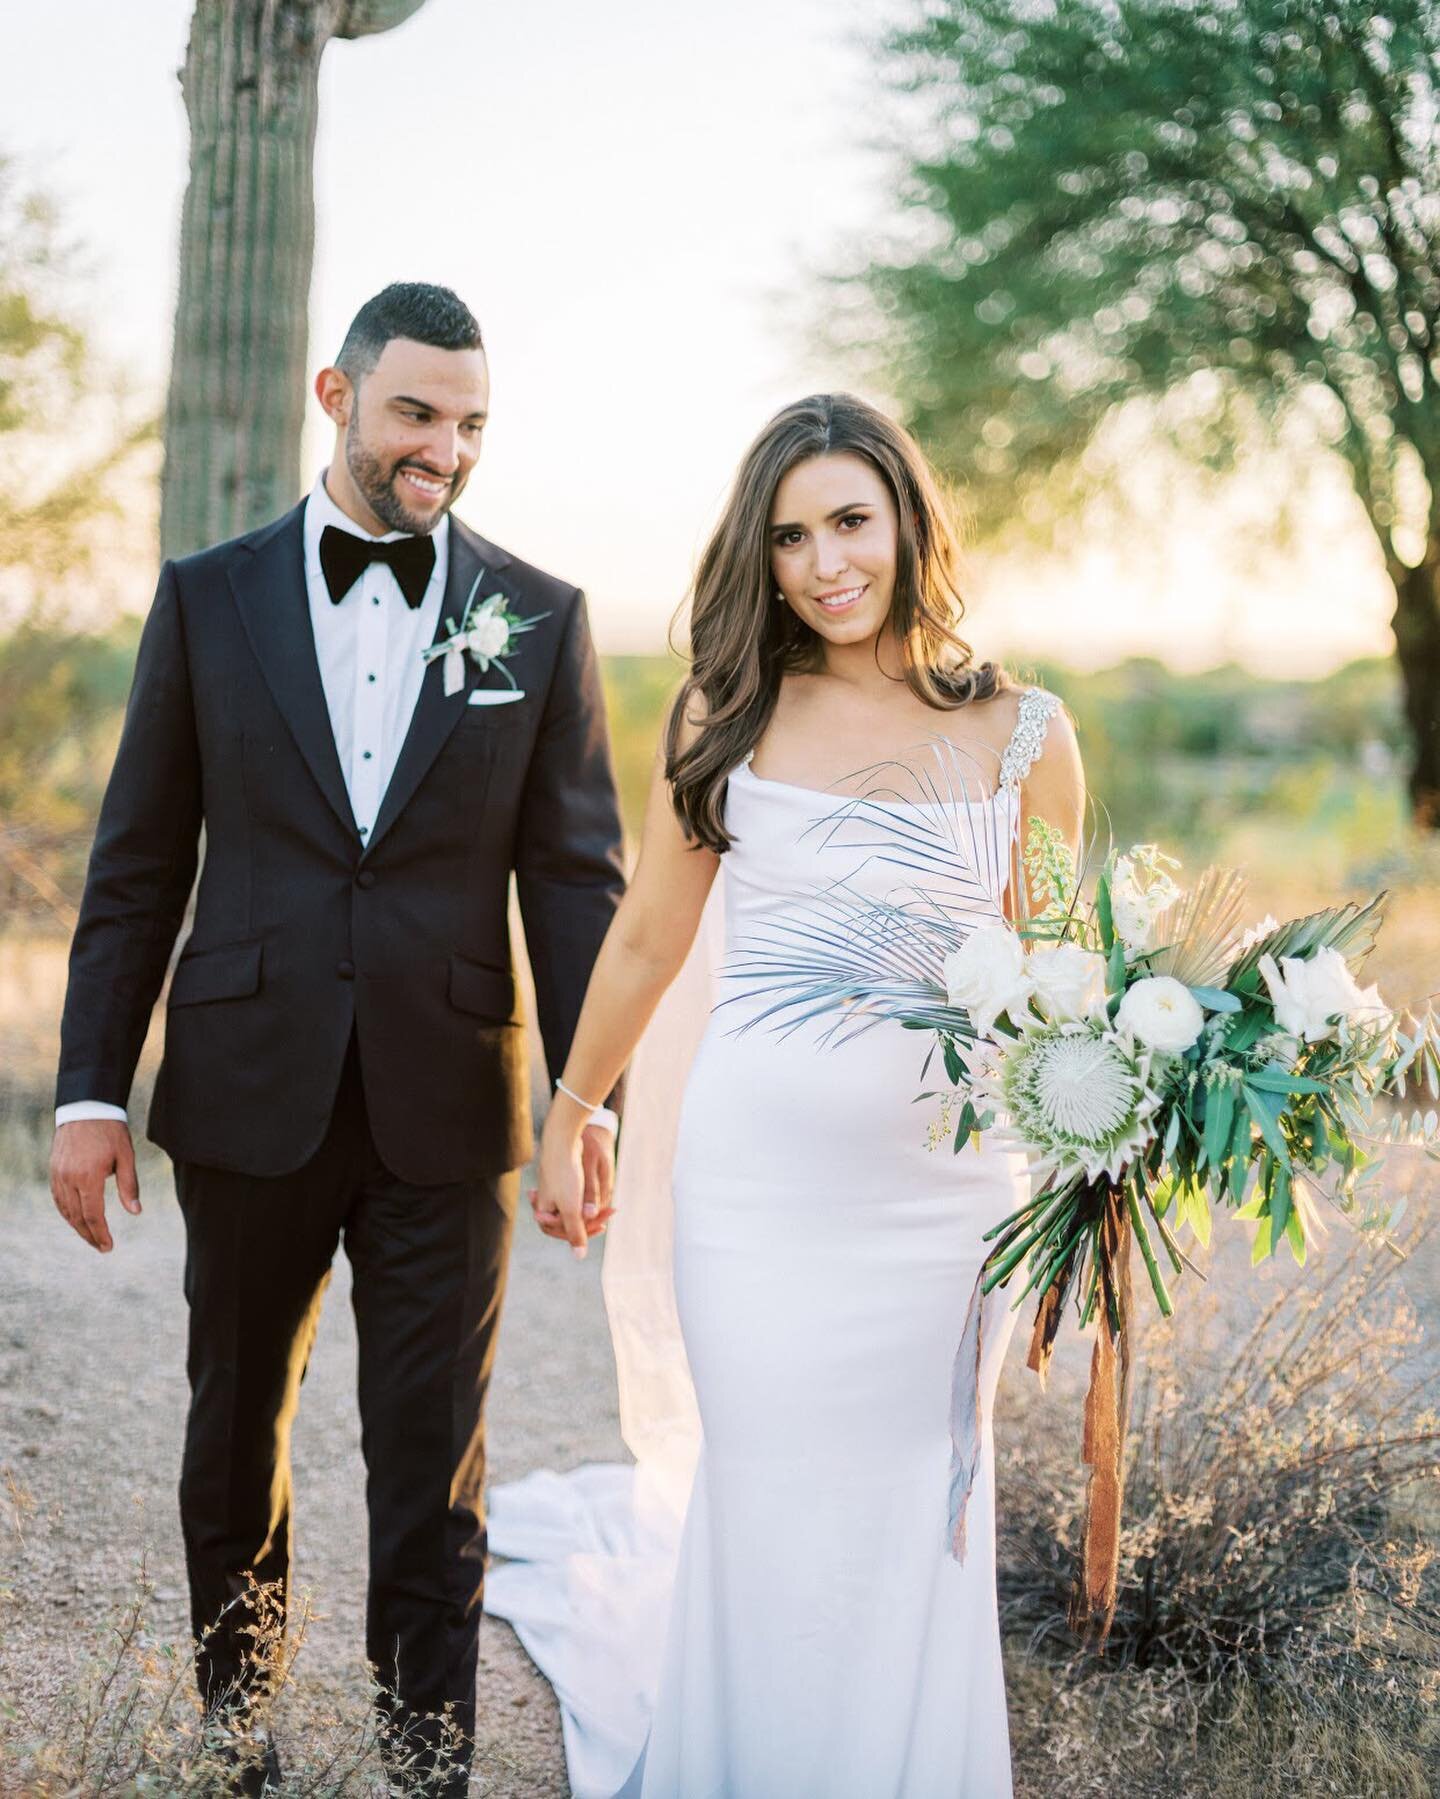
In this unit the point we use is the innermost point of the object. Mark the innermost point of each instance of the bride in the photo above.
(811, 1635)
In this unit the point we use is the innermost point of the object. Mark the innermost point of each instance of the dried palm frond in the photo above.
(937, 826)
(1198, 931)
(847, 954)
(1350, 928)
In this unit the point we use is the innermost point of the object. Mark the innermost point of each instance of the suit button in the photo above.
(345, 970)
(365, 878)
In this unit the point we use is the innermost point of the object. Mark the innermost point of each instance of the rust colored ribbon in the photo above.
(1047, 1325)
(1107, 1416)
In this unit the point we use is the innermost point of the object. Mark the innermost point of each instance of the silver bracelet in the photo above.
(570, 1093)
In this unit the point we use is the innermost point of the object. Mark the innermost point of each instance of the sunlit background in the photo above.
(638, 218)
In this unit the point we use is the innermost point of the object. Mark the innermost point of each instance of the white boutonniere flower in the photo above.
(487, 631)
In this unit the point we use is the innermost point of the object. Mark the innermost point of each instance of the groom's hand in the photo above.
(82, 1158)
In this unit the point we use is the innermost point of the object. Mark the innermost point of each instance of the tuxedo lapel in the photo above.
(268, 581)
(437, 713)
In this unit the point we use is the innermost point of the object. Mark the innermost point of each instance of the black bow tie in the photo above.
(345, 557)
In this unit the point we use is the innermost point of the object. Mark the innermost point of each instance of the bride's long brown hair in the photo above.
(742, 643)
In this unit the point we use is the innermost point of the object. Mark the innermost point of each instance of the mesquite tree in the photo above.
(247, 242)
(1115, 195)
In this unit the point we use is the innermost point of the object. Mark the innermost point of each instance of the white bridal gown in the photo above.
(807, 1634)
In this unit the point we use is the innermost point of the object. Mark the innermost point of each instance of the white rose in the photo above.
(988, 975)
(1162, 1012)
(1308, 992)
(1140, 890)
(489, 636)
(1069, 982)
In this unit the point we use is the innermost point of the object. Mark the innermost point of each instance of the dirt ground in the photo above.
(92, 1404)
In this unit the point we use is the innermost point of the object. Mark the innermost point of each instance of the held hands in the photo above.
(573, 1197)
(82, 1158)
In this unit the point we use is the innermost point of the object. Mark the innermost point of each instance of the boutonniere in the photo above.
(488, 630)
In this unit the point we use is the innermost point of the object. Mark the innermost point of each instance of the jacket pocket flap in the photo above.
(487, 992)
(230, 972)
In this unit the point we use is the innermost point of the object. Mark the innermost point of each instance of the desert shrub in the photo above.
(1280, 1572)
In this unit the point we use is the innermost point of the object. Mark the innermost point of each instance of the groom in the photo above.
(344, 1049)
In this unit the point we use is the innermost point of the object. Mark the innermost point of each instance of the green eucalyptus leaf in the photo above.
(1266, 1109)
(1280, 1206)
(1219, 1122)
(1115, 970)
(1197, 1215)
(1104, 913)
(1274, 1078)
(1247, 1029)
(1262, 1246)
(1215, 999)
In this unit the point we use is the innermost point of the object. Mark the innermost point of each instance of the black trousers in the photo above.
(428, 1267)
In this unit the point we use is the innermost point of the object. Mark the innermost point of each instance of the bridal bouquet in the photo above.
(1155, 1061)
(1146, 1049)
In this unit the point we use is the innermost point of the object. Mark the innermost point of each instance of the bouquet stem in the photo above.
(1107, 1417)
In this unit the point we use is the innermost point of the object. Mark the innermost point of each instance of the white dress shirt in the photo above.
(370, 647)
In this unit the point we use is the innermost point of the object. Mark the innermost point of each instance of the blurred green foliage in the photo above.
(1305, 771)
(1184, 759)
(1108, 201)
(49, 503)
(1212, 218)
(637, 692)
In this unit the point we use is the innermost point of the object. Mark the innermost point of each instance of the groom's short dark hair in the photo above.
(415, 309)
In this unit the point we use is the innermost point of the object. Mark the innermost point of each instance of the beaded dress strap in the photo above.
(1037, 708)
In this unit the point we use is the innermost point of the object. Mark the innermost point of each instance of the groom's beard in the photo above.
(379, 487)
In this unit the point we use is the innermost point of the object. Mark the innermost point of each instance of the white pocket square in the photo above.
(494, 696)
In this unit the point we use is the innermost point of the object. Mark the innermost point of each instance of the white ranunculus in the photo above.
(1069, 982)
(1162, 1013)
(1140, 890)
(1309, 992)
(988, 975)
(489, 636)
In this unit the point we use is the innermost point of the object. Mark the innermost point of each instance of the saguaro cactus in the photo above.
(247, 242)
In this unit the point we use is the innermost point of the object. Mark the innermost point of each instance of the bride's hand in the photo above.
(558, 1198)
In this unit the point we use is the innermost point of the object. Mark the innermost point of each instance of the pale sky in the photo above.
(632, 198)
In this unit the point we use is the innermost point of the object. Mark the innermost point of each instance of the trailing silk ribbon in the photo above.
(1107, 1412)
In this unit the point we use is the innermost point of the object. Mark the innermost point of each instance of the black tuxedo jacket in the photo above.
(302, 934)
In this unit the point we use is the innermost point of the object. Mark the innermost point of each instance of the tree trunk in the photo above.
(247, 242)
(1416, 621)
